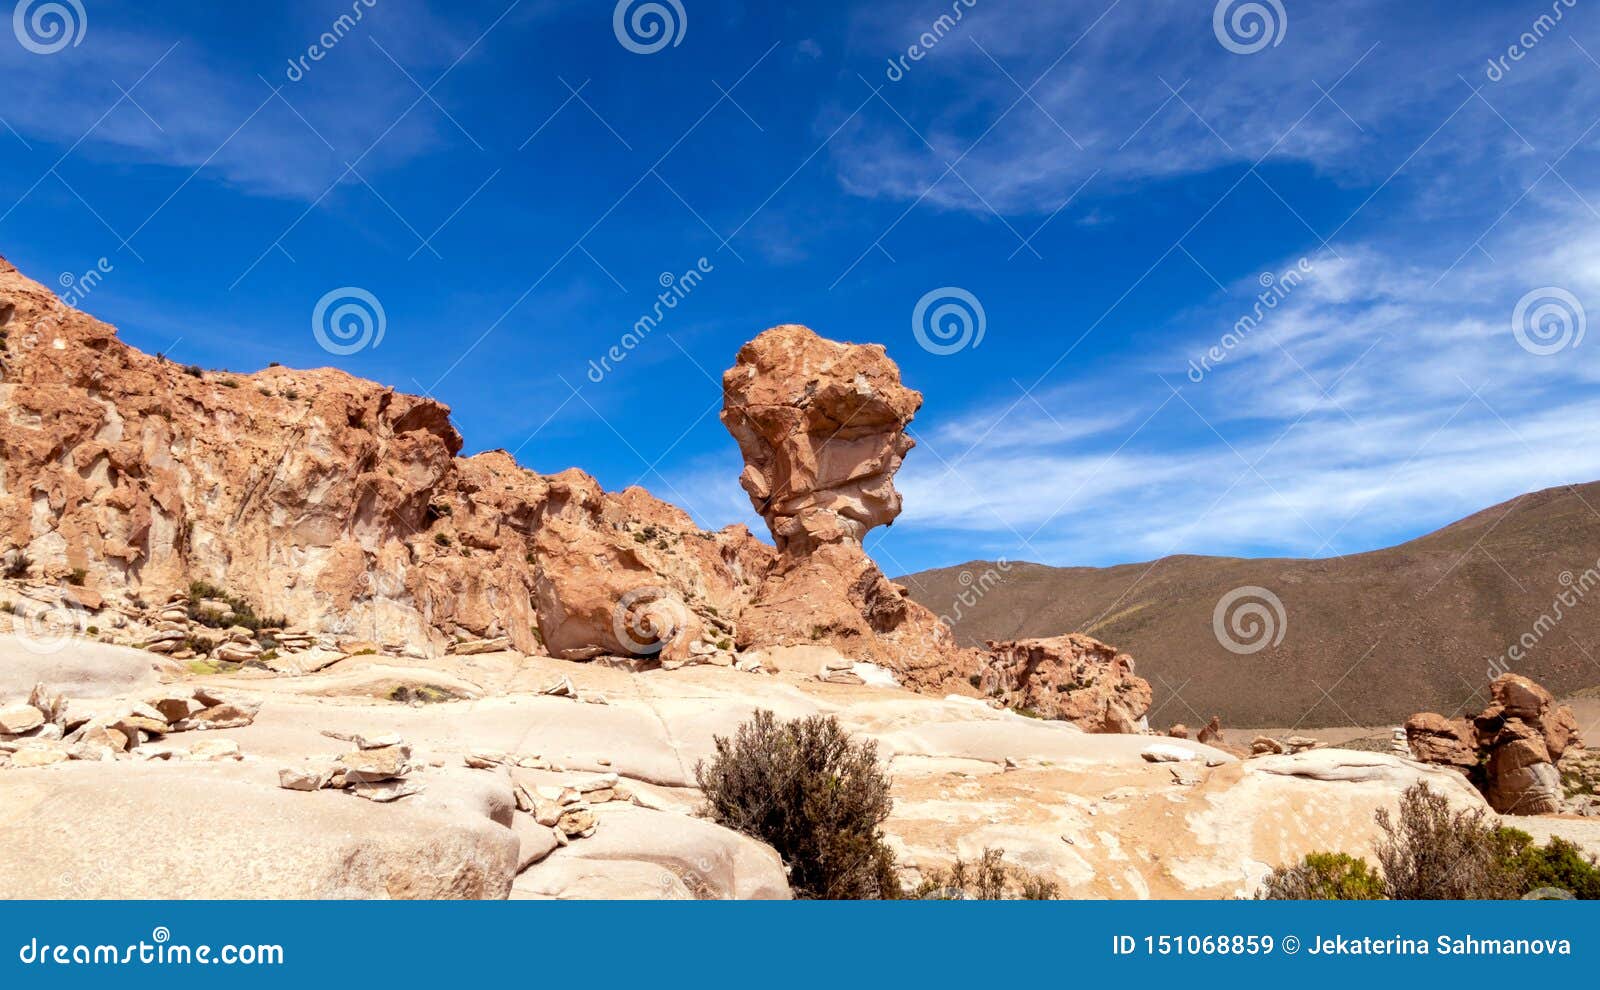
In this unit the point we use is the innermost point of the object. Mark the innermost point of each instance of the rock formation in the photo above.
(822, 428)
(333, 502)
(339, 513)
(1075, 678)
(1509, 750)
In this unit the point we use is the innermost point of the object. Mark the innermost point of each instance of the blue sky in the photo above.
(1112, 182)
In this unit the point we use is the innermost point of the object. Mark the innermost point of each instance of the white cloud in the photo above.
(188, 107)
(1148, 93)
(1432, 411)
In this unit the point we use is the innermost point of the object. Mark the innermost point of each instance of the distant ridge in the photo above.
(1385, 634)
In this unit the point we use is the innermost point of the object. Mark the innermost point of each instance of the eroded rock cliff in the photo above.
(334, 502)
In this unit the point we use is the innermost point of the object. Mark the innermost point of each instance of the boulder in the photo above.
(82, 669)
(93, 830)
(18, 719)
(1446, 742)
(373, 765)
(1520, 697)
(1166, 753)
(1265, 746)
(1509, 750)
(1075, 678)
(664, 853)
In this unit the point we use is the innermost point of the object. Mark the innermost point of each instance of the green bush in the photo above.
(1324, 877)
(1432, 850)
(804, 788)
(244, 614)
(1559, 865)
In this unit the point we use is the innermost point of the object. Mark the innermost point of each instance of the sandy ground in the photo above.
(1088, 811)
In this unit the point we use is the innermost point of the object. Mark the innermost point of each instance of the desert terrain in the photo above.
(269, 635)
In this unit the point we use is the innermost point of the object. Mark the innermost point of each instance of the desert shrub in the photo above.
(442, 539)
(77, 577)
(1434, 851)
(193, 371)
(989, 879)
(16, 564)
(815, 796)
(1557, 865)
(1324, 877)
(426, 694)
(244, 614)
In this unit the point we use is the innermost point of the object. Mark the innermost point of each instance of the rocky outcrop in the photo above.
(1075, 678)
(286, 518)
(1509, 750)
(822, 428)
(1446, 742)
(333, 502)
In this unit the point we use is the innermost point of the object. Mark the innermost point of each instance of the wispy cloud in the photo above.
(1138, 92)
(1373, 404)
(178, 102)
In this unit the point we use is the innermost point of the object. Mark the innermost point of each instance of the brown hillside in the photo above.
(1387, 633)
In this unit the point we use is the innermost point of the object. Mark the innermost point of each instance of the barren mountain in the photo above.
(1384, 634)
